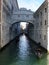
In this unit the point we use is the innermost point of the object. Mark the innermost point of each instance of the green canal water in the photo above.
(20, 53)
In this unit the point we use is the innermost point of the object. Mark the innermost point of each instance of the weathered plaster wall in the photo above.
(6, 13)
(41, 25)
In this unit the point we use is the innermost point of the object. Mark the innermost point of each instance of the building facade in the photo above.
(7, 7)
(42, 25)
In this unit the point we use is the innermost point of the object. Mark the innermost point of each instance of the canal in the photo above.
(20, 53)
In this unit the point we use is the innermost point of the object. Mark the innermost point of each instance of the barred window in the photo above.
(41, 13)
(44, 37)
(45, 22)
(27, 15)
(18, 15)
(45, 10)
(40, 36)
(41, 23)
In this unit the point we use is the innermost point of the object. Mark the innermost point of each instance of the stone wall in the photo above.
(0, 35)
(6, 13)
(41, 24)
(48, 28)
(0, 23)
(31, 31)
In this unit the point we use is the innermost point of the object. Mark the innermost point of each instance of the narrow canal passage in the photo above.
(20, 53)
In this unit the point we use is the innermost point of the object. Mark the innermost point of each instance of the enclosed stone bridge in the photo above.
(21, 16)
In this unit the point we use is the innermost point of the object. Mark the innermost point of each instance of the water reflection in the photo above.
(20, 53)
(23, 47)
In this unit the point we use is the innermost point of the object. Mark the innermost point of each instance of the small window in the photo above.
(41, 23)
(12, 9)
(45, 22)
(41, 13)
(45, 10)
(18, 15)
(27, 15)
(38, 15)
(37, 24)
(44, 37)
(40, 36)
(33, 21)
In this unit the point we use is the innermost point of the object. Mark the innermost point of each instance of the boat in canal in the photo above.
(38, 52)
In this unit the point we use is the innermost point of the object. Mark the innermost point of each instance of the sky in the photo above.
(30, 4)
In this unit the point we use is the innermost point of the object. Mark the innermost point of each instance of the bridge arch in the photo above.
(32, 22)
(13, 28)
